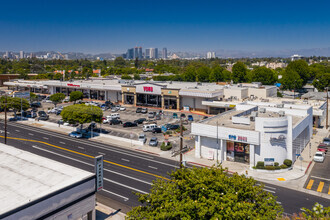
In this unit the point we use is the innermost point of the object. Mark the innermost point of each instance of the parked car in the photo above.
(174, 127)
(319, 157)
(115, 115)
(182, 115)
(43, 117)
(326, 141)
(35, 104)
(144, 110)
(143, 138)
(149, 127)
(115, 121)
(76, 134)
(190, 118)
(41, 113)
(129, 124)
(205, 117)
(153, 142)
(102, 131)
(156, 130)
(322, 149)
(114, 109)
(140, 120)
(91, 126)
(151, 114)
(122, 108)
(158, 117)
(175, 115)
(138, 110)
(58, 112)
(13, 119)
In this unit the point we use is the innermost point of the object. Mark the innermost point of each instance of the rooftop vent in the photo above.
(281, 113)
(252, 118)
(262, 110)
(254, 114)
(280, 105)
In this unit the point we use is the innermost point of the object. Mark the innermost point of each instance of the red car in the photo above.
(322, 149)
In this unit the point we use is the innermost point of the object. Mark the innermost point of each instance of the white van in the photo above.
(149, 127)
(115, 115)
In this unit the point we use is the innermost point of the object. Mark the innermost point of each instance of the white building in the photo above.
(295, 57)
(255, 131)
(210, 55)
(34, 187)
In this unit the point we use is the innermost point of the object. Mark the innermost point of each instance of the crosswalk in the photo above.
(318, 185)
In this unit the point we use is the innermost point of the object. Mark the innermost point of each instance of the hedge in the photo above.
(283, 166)
(287, 162)
(165, 146)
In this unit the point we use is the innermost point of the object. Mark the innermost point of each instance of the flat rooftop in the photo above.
(26, 177)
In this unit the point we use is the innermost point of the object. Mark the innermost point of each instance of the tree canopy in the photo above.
(300, 67)
(14, 103)
(264, 75)
(206, 193)
(239, 72)
(57, 98)
(291, 80)
(76, 95)
(82, 114)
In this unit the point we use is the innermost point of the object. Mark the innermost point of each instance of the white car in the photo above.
(319, 157)
(122, 108)
(54, 110)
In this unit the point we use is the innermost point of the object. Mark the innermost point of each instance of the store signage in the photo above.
(269, 161)
(148, 89)
(169, 92)
(238, 138)
(73, 85)
(98, 163)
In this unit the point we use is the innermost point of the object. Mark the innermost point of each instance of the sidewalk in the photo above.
(108, 213)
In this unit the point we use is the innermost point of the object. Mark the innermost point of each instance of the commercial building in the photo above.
(210, 55)
(255, 131)
(34, 187)
(151, 53)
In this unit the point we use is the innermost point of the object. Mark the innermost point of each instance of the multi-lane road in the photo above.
(125, 171)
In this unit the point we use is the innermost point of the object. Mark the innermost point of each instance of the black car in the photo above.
(138, 110)
(140, 120)
(129, 124)
(174, 127)
(58, 112)
(91, 126)
(102, 131)
(205, 117)
(156, 130)
(43, 117)
(35, 104)
(182, 115)
(115, 122)
(144, 110)
(40, 113)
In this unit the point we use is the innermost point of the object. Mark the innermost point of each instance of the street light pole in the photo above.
(6, 119)
(181, 142)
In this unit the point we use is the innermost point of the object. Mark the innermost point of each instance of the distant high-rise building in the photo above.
(210, 55)
(164, 55)
(156, 53)
(136, 53)
(147, 55)
(130, 54)
(140, 55)
(21, 54)
(295, 57)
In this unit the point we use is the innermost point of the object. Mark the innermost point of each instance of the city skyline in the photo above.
(103, 28)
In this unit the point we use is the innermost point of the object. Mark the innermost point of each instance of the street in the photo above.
(125, 171)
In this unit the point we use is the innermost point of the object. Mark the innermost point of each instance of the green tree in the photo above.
(119, 62)
(317, 212)
(82, 114)
(239, 72)
(321, 81)
(202, 74)
(137, 76)
(33, 97)
(76, 95)
(126, 76)
(57, 98)
(15, 103)
(189, 74)
(264, 75)
(206, 193)
(227, 76)
(301, 67)
(291, 80)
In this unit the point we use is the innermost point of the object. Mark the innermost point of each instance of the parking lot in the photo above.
(130, 115)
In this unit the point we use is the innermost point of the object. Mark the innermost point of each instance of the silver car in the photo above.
(153, 142)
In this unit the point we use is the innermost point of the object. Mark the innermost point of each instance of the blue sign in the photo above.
(232, 137)
(164, 129)
(269, 159)
(298, 155)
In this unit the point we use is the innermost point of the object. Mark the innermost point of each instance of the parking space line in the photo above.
(62, 142)
(101, 153)
(125, 198)
(319, 189)
(321, 178)
(45, 138)
(124, 159)
(81, 148)
(17, 130)
(310, 184)
(30, 134)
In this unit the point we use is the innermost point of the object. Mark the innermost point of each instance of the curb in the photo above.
(308, 166)
(147, 152)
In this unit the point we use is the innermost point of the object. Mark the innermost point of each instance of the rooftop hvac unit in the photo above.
(252, 118)
(262, 110)
(280, 105)
(254, 114)
(281, 113)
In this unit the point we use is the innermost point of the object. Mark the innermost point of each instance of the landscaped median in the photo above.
(261, 167)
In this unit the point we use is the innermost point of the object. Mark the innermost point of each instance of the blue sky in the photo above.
(114, 26)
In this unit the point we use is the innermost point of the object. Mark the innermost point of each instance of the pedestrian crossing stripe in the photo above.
(320, 187)
(310, 184)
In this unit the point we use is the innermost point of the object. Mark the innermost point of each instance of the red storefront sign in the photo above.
(148, 89)
(73, 85)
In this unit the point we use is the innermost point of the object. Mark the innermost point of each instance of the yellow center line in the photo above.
(86, 155)
(319, 189)
(329, 190)
(310, 184)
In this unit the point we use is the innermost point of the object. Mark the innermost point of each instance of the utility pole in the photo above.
(217, 144)
(6, 120)
(181, 142)
(327, 122)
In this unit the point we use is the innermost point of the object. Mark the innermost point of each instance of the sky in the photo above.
(194, 26)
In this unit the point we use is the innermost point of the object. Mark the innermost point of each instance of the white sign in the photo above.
(24, 95)
(98, 163)
(149, 88)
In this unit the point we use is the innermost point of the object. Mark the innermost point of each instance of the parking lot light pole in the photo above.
(6, 119)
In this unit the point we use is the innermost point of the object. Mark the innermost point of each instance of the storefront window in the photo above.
(238, 152)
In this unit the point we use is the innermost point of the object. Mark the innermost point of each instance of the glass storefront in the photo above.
(170, 102)
(238, 152)
(129, 98)
(148, 100)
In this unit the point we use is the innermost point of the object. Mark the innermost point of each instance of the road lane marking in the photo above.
(101, 153)
(62, 142)
(269, 191)
(86, 155)
(310, 184)
(321, 178)
(123, 185)
(124, 159)
(269, 187)
(329, 190)
(17, 130)
(45, 138)
(81, 148)
(30, 134)
(153, 167)
(92, 165)
(320, 187)
(125, 198)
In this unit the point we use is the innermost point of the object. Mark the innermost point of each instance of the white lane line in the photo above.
(45, 138)
(278, 202)
(107, 170)
(62, 142)
(101, 153)
(153, 167)
(124, 159)
(125, 198)
(269, 191)
(30, 134)
(17, 130)
(81, 148)
(98, 145)
(267, 186)
(123, 185)
(321, 178)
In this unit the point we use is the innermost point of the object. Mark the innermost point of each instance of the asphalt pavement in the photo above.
(125, 171)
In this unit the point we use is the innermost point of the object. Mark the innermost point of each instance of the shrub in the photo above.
(254, 167)
(276, 164)
(287, 162)
(168, 132)
(270, 167)
(178, 129)
(277, 167)
(283, 166)
(260, 165)
(166, 146)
